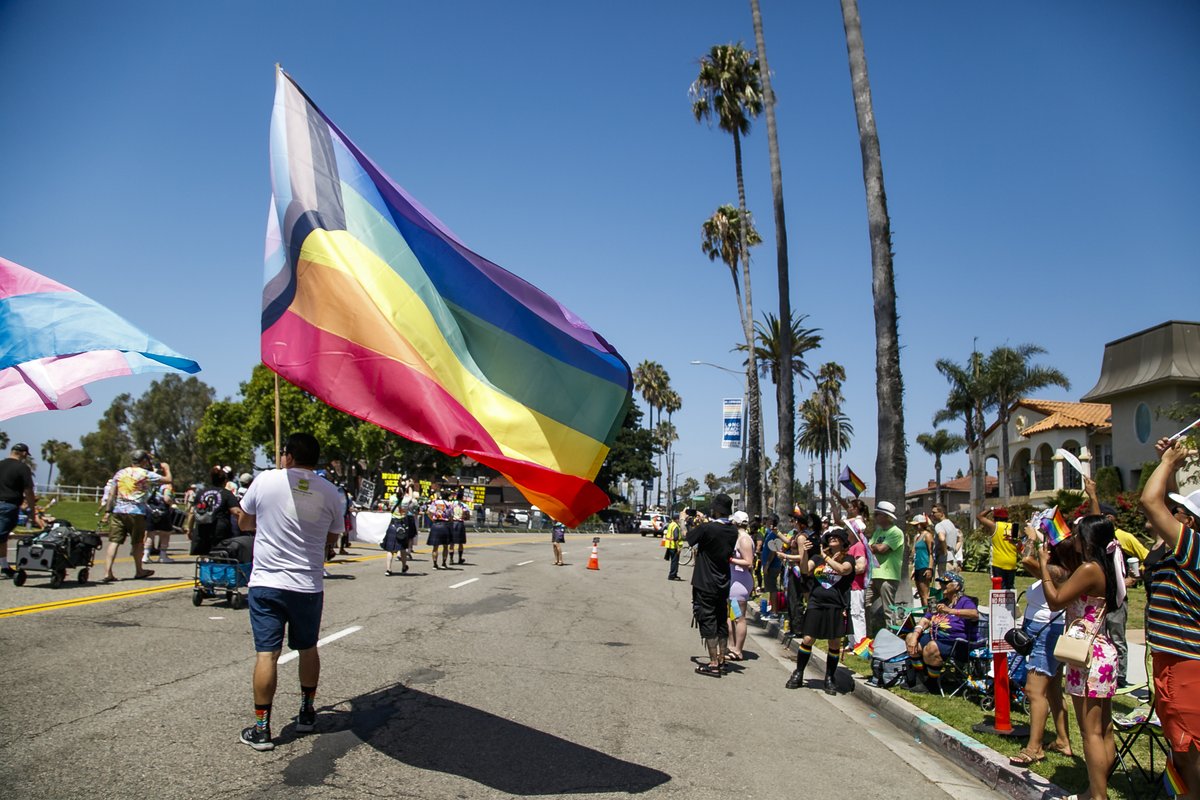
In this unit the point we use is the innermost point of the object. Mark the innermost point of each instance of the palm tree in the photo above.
(891, 459)
(670, 403)
(967, 400)
(719, 238)
(785, 474)
(770, 339)
(1009, 377)
(650, 380)
(938, 444)
(728, 89)
(822, 429)
(51, 450)
(829, 380)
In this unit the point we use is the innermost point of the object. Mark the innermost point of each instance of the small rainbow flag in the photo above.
(1173, 781)
(1055, 527)
(863, 647)
(852, 482)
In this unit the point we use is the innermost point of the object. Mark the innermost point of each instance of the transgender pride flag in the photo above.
(54, 340)
(373, 306)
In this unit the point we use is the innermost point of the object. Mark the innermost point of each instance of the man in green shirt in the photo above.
(887, 547)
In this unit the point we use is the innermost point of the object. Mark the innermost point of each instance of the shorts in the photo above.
(123, 525)
(8, 519)
(558, 537)
(1041, 658)
(710, 611)
(1177, 685)
(1008, 577)
(923, 575)
(944, 646)
(272, 610)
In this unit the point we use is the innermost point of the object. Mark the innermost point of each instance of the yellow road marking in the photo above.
(188, 584)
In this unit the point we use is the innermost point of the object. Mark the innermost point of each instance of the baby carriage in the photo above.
(979, 682)
(226, 570)
(56, 550)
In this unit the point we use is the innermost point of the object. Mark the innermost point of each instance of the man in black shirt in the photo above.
(16, 486)
(714, 542)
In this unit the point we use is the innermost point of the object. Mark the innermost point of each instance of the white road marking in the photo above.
(333, 637)
(216, 618)
(523, 563)
(464, 583)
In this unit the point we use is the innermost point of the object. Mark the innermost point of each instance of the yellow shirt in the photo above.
(1131, 545)
(1004, 552)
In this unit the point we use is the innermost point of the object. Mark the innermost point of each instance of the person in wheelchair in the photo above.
(931, 643)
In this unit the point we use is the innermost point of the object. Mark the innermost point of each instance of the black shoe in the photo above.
(259, 740)
(830, 686)
(306, 721)
(795, 681)
(8, 572)
(920, 687)
(910, 676)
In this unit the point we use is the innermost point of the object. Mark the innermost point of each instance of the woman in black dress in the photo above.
(832, 571)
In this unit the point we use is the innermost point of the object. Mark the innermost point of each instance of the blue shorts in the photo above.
(944, 646)
(272, 610)
(1041, 659)
(8, 520)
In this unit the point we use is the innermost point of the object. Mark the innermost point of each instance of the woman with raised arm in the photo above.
(1095, 585)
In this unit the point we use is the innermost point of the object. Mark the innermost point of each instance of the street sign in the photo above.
(366, 493)
(1002, 619)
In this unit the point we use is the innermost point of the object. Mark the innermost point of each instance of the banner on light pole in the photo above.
(731, 422)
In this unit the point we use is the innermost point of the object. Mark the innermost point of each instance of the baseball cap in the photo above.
(1000, 513)
(1107, 510)
(740, 518)
(951, 576)
(20, 447)
(919, 518)
(1190, 502)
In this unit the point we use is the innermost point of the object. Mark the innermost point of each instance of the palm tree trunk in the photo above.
(785, 392)
(937, 477)
(754, 400)
(891, 460)
(1006, 488)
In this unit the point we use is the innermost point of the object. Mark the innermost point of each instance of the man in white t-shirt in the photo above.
(947, 541)
(293, 512)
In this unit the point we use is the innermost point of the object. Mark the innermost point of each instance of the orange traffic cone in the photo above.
(594, 561)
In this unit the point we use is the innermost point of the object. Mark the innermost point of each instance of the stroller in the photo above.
(979, 683)
(56, 550)
(226, 570)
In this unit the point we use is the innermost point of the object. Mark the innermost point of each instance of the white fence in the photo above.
(93, 493)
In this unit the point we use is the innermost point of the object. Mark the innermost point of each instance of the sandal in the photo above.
(1066, 751)
(146, 573)
(109, 579)
(1026, 758)
(712, 670)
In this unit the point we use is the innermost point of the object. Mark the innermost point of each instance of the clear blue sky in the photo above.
(1040, 162)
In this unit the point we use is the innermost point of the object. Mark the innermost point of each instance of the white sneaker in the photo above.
(165, 559)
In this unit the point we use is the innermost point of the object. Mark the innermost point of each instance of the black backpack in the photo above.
(207, 503)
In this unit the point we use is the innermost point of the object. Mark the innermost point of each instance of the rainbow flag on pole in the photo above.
(374, 306)
(852, 482)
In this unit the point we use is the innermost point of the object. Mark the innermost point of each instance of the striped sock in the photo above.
(917, 664)
(806, 649)
(934, 673)
(834, 655)
(262, 717)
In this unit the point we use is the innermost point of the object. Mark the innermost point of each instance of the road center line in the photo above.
(523, 563)
(333, 637)
(464, 583)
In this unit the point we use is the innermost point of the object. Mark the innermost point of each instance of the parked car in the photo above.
(654, 523)
(517, 517)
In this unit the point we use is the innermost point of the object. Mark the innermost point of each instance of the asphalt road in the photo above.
(528, 680)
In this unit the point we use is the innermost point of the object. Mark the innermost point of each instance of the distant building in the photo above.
(1141, 376)
(956, 496)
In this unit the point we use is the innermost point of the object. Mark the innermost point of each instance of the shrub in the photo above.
(1108, 483)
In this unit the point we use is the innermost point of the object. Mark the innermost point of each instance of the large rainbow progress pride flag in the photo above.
(373, 306)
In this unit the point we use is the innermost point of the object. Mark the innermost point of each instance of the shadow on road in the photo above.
(436, 734)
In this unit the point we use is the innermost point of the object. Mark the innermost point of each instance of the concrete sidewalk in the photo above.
(971, 755)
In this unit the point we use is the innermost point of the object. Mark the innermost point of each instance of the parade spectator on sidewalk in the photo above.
(1173, 613)
(741, 584)
(947, 540)
(887, 544)
(923, 553)
(771, 565)
(856, 529)
(1043, 681)
(125, 510)
(295, 512)
(1004, 544)
(832, 570)
(1094, 586)
(16, 487)
(1131, 549)
(714, 542)
(932, 640)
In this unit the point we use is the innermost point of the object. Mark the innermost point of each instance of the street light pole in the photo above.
(745, 382)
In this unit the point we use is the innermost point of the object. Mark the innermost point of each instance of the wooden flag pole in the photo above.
(278, 452)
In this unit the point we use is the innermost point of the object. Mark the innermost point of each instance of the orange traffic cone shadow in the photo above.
(594, 561)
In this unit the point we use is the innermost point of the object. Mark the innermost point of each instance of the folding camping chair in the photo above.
(1128, 729)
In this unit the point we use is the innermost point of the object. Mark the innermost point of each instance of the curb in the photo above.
(971, 755)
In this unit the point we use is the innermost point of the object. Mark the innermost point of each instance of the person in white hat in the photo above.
(887, 545)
